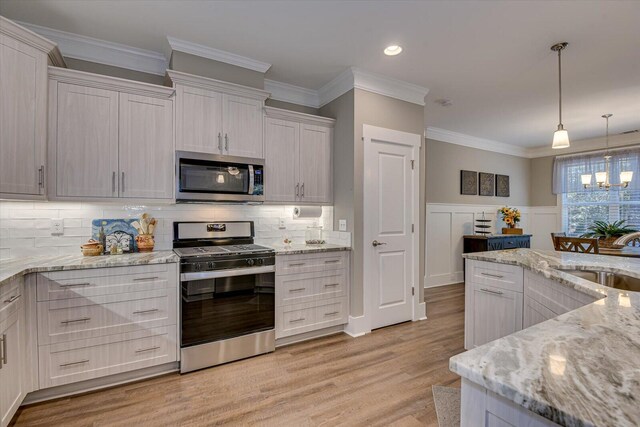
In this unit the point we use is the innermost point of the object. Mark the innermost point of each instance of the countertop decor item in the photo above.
(483, 226)
(145, 228)
(119, 232)
(607, 233)
(511, 216)
(313, 236)
(92, 248)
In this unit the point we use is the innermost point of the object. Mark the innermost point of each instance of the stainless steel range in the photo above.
(227, 286)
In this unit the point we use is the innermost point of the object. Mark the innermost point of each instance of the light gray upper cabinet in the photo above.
(23, 111)
(109, 138)
(298, 157)
(218, 117)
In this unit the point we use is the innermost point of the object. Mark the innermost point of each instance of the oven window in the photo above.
(208, 177)
(217, 309)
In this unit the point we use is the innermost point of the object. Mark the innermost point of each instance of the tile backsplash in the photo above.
(25, 226)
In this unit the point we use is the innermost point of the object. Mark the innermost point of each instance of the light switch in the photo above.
(342, 225)
(57, 227)
(281, 224)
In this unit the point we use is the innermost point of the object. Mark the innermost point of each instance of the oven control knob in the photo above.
(197, 266)
(250, 261)
(211, 265)
(260, 261)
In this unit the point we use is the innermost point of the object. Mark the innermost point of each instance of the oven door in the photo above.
(218, 305)
(209, 177)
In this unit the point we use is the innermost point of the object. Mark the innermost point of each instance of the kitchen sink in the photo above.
(612, 280)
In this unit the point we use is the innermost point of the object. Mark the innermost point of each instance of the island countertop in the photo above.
(12, 268)
(581, 368)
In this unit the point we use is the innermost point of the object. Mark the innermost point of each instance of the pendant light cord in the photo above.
(560, 87)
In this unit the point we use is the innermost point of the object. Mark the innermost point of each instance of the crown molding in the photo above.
(337, 87)
(590, 144)
(179, 77)
(28, 36)
(475, 142)
(215, 54)
(279, 113)
(103, 52)
(291, 93)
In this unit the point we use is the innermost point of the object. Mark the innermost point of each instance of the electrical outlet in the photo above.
(342, 225)
(281, 224)
(57, 227)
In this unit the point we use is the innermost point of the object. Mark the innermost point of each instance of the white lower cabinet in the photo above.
(311, 292)
(13, 387)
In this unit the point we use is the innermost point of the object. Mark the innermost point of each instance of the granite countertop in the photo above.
(489, 236)
(308, 249)
(12, 268)
(581, 368)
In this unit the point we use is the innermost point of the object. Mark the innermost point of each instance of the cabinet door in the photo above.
(86, 142)
(12, 391)
(281, 160)
(315, 164)
(496, 313)
(146, 147)
(198, 120)
(242, 123)
(23, 113)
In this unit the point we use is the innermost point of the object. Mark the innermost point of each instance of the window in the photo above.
(580, 206)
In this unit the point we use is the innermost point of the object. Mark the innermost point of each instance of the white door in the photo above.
(146, 147)
(199, 120)
(242, 123)
(390, 225)
(23, 83)
(281, 159)
(86, 142)
(315, 164)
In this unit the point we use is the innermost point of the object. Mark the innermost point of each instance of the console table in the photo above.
(496, 242)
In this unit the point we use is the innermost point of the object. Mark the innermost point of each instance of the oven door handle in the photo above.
(188, 277)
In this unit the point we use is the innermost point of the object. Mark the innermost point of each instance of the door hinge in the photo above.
(413, 228)
(413, 291)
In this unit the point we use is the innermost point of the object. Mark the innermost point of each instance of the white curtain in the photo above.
(568, 169)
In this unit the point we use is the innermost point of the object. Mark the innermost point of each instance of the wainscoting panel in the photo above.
(446, 224)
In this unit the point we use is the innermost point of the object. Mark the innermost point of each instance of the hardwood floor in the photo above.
(383, 378)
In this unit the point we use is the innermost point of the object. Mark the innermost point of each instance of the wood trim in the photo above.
(26, 36)
(279, 113)
(109, 83)
(177, 77)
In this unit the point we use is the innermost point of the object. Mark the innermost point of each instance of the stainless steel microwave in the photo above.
(202, 177)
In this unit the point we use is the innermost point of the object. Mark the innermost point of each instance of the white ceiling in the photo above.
(490, 58)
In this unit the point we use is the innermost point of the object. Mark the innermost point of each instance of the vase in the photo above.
(145, 242)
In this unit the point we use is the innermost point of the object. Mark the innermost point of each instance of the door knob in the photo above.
(376, 243)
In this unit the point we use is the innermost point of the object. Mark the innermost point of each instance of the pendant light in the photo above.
(560, 137)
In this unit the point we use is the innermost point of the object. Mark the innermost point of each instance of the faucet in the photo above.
(624, 240)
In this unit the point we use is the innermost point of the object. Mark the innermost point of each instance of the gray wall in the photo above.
(204, 67)
(445, 160)
(292, 107)
(108, 70)
(541, 182)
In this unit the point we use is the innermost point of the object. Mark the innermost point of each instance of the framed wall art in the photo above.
(486, 184)
(468, 183)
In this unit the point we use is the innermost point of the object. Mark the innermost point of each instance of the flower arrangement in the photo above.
(510, 216)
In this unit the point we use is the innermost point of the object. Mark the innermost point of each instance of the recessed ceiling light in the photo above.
(392, 50)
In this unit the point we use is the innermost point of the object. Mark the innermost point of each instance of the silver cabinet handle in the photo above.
(4, 348)
(1, 347)
(142, 350)
(82, 319)
(79, 362)
(113, 182)
(12, 299)
(331, 261)
(298, 190)
(297, 320)
(302, 190)
(492, 275)
(490, 291)
(220, 141)
(142, 279)
(297, 289)
(152, 310)
(297, 265)
(375, 243)
(226, 142)
(332, 313)
(331, 285)
(123, 182)
(74, 285)
(41, 176)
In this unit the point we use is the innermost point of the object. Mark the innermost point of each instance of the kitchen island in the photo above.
(580, 368)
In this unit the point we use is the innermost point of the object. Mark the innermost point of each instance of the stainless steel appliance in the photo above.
(227, 293)
(202, 177)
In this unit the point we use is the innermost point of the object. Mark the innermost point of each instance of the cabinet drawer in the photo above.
(310, 316)
(10, 295)
(296, 288)
(97, 357)
(104, 281)
(331, 313)
(294, 319)
(81, 318)
(308, 263)
(503, 276)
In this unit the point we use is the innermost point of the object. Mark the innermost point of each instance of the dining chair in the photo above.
(553, 239)
(577, 244)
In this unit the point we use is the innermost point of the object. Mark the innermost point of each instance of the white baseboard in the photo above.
(357, 326)
(422, 312)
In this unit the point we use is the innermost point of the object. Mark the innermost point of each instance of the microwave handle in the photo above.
(220, 141)
(252, 179)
